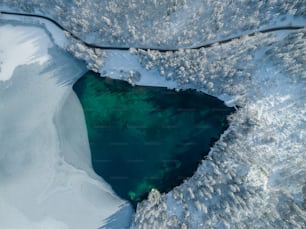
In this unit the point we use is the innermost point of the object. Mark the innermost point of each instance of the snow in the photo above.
(23, 49)
(57, 35)
(46, 175)
(257, 168)
(255, 174)
(119, 63)
(170, 23)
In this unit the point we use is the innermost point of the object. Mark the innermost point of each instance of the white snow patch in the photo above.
(119, 62)
(57, 34)
(22, 46)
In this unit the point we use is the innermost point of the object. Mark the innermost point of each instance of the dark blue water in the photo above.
(147, 137)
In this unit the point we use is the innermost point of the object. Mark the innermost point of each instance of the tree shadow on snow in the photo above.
(118, 219)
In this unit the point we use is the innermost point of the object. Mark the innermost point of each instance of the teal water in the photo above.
(147, 137)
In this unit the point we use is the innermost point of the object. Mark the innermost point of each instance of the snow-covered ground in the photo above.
(125, 66)
(255, 175)
(27, 50)
(45, 168)
(163, 23)
(56, 34)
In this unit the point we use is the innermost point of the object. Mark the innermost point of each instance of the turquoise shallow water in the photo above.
(147, 137)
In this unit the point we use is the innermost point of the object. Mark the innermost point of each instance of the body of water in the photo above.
(147, 137)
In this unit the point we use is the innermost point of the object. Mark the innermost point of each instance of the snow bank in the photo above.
(46, 176)
(125, 66)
